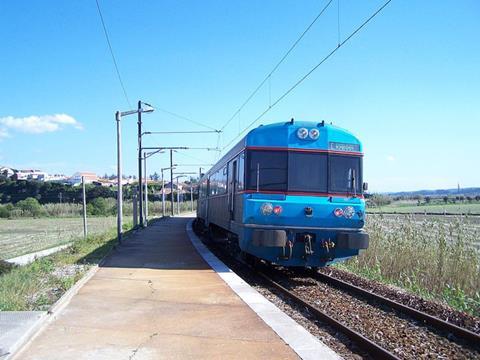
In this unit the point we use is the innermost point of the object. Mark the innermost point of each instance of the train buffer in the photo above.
(155, 297)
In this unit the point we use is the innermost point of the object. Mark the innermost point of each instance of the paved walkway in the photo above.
(155, 298)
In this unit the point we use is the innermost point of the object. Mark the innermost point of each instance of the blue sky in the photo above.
(408, 85)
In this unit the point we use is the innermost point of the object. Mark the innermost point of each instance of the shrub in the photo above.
(4, 212)
(30, 206)
(100, 207)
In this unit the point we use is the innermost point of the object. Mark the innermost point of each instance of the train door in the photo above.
(232, 188)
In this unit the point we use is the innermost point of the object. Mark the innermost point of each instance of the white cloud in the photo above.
(38, 124)
(4, 134)
(391, 158)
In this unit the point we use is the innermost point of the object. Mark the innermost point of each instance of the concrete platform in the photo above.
(156, 298)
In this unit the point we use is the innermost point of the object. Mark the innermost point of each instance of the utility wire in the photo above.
(277, 65)
(113, 55)
(311, 71)
(187, 119)
(190, 156)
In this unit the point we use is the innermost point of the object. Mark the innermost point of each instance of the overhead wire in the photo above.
(187, 119)
(113, 55)
(277, 65)
(279, 99)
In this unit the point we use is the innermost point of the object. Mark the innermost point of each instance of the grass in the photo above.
(433, 258)
(38, 285)
(409, 207)
(23, 236)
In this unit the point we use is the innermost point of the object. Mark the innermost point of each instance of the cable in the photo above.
(187, 119)
(277, 65)
(190, 156)
(113, 56)
(311, 70)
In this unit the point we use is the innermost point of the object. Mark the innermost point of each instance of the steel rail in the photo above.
(459, 332)
(369, 346)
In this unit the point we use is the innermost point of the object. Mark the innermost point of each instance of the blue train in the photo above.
(289, 193)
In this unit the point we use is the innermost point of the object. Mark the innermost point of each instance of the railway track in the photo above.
(364, 343)
(379, 327)
(468, 336)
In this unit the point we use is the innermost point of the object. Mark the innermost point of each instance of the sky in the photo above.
(407, 84)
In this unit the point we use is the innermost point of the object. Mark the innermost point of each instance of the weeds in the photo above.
(429, 257)
(38, 285)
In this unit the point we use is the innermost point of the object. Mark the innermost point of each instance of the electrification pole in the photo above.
(85, 230)
(140, 192)
(171, 180)
(118, 118)
(146, 187)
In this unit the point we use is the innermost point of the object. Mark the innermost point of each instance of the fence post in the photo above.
(191, 195)
(85, 229)
(134, 203)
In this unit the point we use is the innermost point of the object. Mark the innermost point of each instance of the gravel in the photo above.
(433, 308)
(401, 335)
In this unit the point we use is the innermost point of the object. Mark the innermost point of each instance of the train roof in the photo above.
(284, 135)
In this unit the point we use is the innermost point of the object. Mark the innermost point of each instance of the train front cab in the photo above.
(290, 205)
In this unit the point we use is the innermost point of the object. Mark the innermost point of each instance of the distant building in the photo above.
(60, 178)
(76, 178)
(6, 172)
(29, 174)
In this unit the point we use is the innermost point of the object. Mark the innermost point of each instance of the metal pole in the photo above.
(171, 179)
(191, 195)
(135, 207)
(85, 230)
(178, 199)
(163, 196)
(118, 118)
(146, 187)
(140, 195)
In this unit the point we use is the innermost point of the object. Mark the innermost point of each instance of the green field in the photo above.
(23, 236)
(410, 207)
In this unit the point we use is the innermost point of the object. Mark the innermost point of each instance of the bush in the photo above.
(30, 206)
(100, 207)
(5, 267)
(4, 212)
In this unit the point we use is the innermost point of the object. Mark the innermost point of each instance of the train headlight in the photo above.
(266, 208)
(348, 212)
(302, 133)
(338, 212)
(314, 134)
(277, 210)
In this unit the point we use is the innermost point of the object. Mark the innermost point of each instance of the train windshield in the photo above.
(303, 171)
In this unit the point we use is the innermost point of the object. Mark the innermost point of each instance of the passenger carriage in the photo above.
(290, 193)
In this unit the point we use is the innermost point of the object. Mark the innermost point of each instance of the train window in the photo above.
(241, 172)
(307, 172)
(218, 182)
(345, 171)
(213, 185)
(271, 169)
(222, 181)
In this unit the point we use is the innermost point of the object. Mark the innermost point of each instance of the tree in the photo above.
(445, 199)
(427, 199)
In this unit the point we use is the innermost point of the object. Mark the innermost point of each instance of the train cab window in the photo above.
(270, 167)
(307, 172)
(345, 174)
(241, 172)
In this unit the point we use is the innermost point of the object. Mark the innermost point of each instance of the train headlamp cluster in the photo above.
(304, 133)
(268, 209)
(346, 212)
